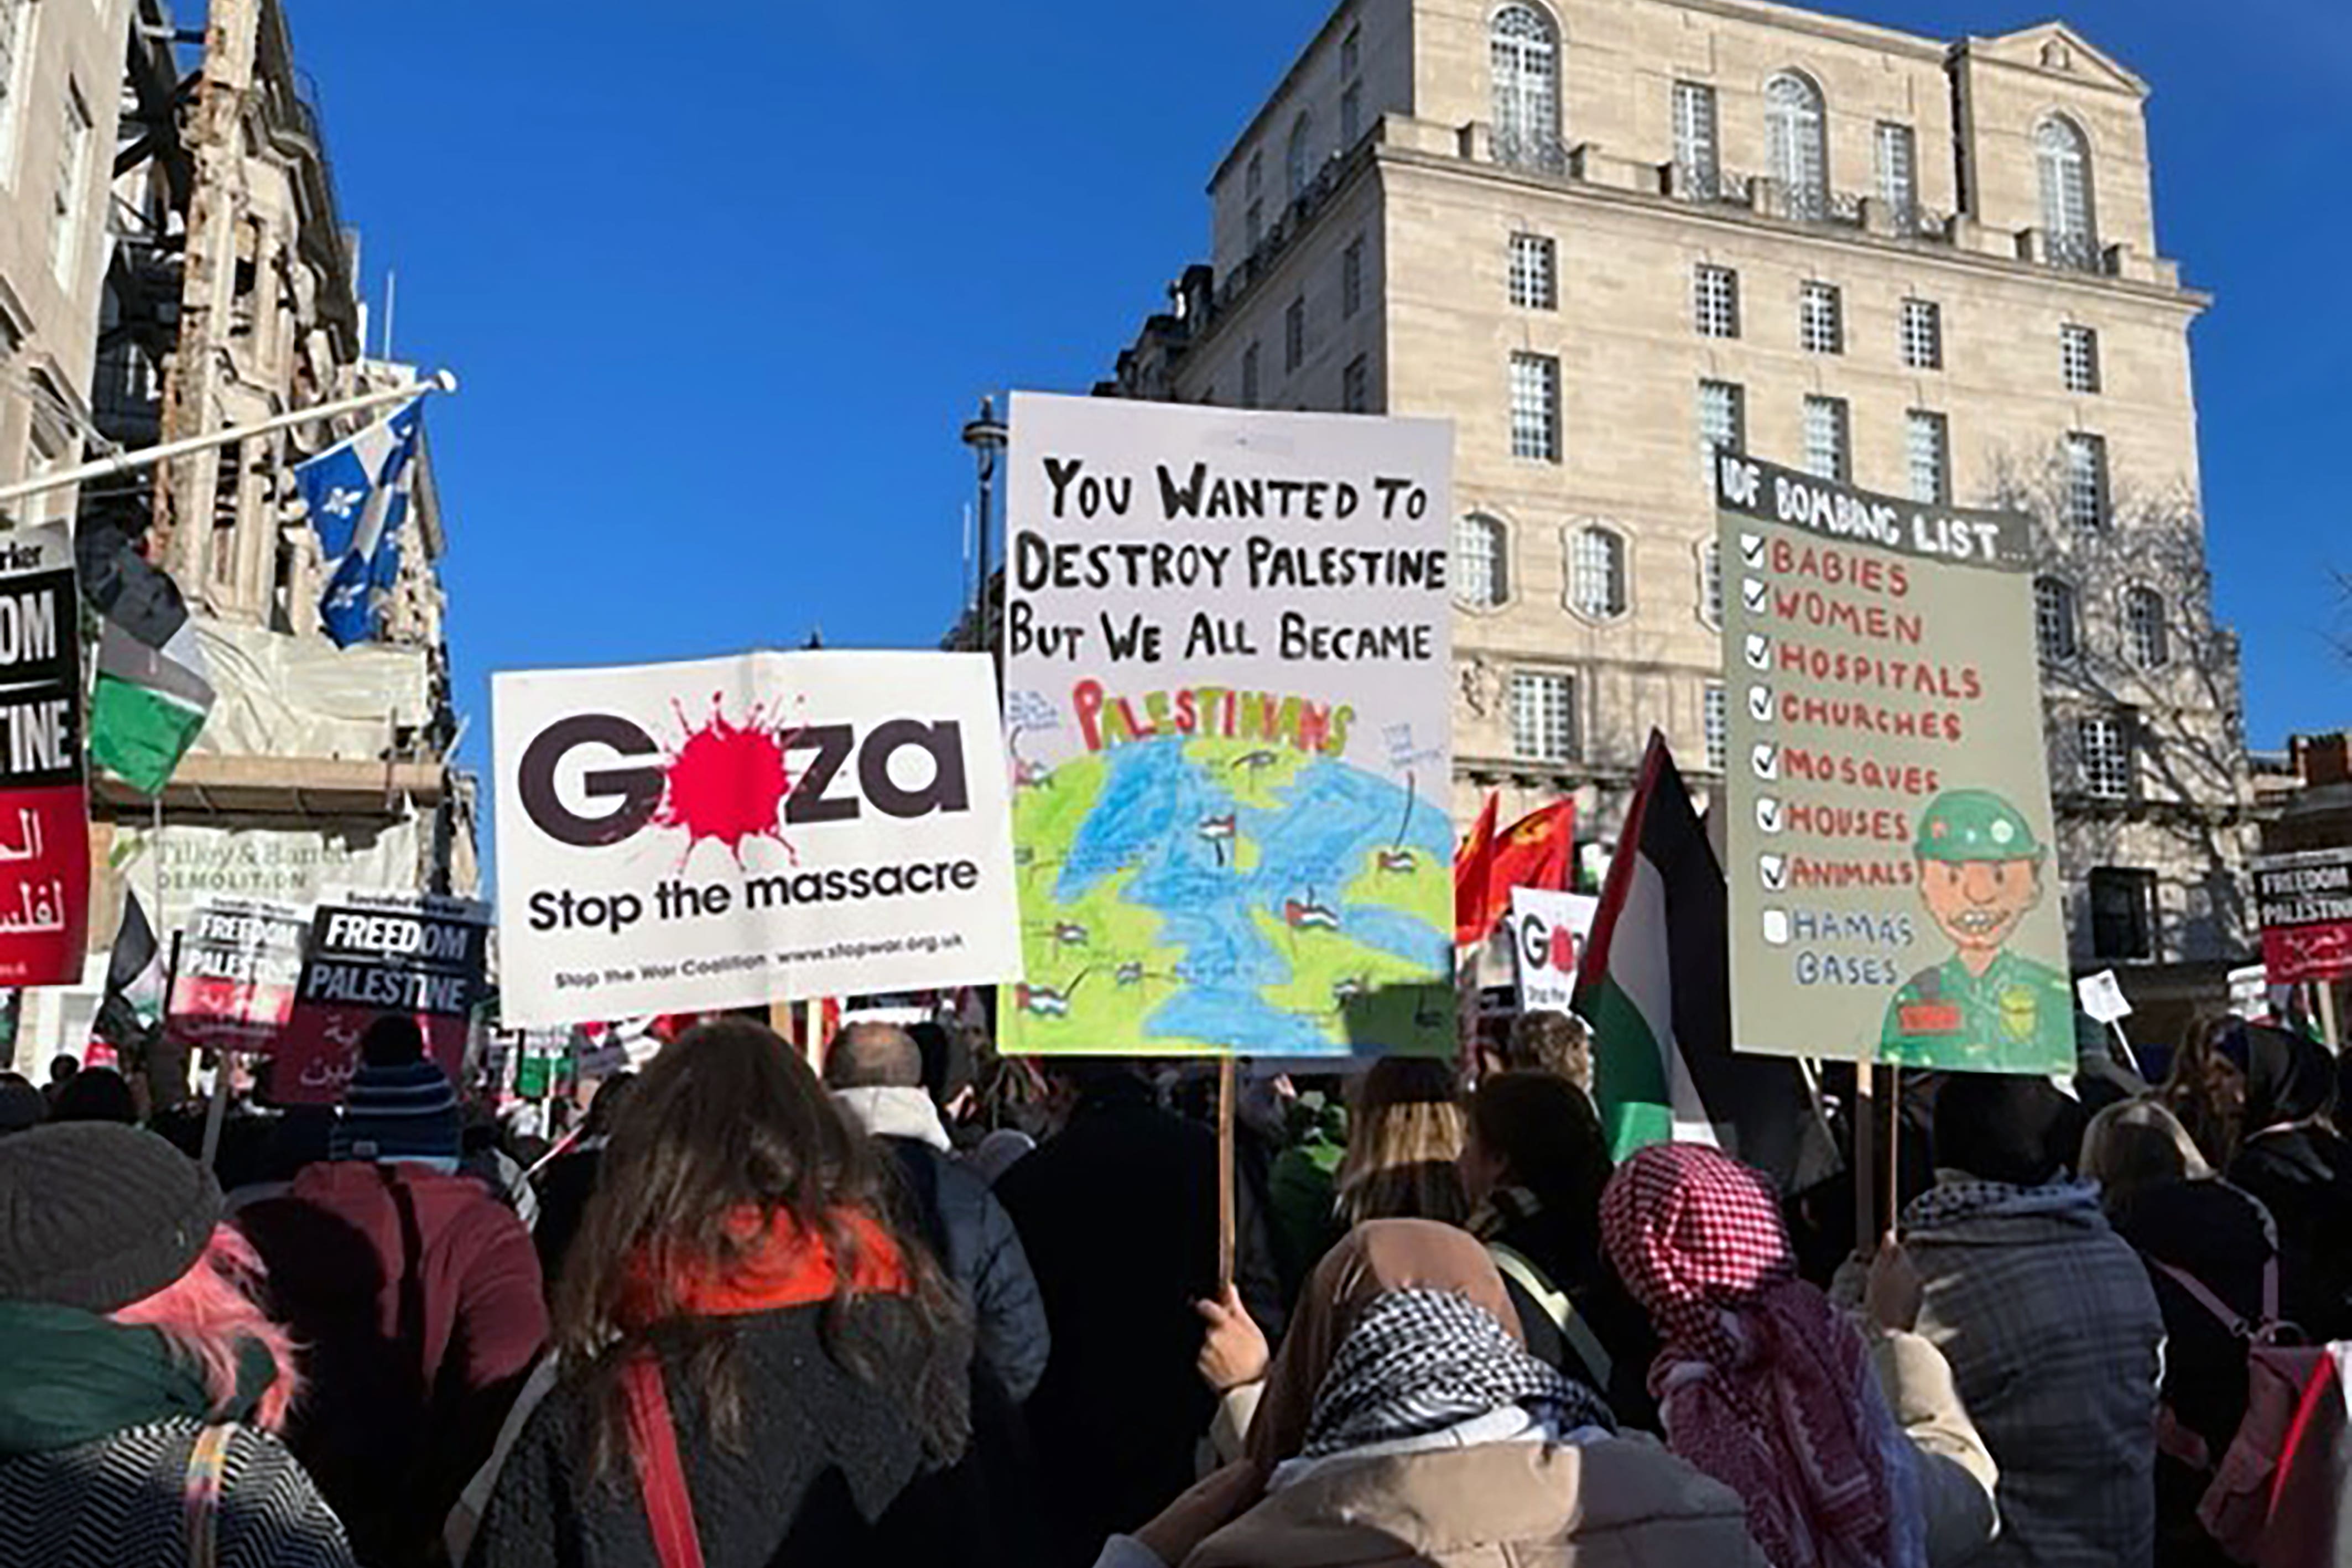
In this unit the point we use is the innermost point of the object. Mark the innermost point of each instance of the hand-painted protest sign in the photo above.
(679, 838)
(234, 977)
(44, 793)
(2305, 904)
(1893, 889)
(2102, 995)
(1229, 678)
(372, 954)
(1547, 931)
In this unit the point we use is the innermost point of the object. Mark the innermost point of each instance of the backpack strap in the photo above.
(1557, 1305)
(200, 1496)
(2238, 1326)
(661, 1479)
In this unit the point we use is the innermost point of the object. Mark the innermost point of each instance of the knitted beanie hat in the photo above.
(95, 1215)
(397, 1111)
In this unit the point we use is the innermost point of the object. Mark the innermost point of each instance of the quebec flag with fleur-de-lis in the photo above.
(357, 495)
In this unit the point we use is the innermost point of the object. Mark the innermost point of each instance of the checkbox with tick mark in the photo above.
(1759, 648)
(1773, 870)
(1768, 814)
(1760, 704)
(1766, 759)
(1751, 550)
(1754, 593)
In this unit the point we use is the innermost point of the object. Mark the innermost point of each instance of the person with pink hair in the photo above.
(144, 1382)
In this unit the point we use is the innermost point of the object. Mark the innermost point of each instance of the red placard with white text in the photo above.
(44, 795)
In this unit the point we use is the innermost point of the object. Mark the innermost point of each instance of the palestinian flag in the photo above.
(152, 691)
(1655, 986)
(135, 980)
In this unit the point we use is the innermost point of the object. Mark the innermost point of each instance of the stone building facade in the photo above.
(1604, 237)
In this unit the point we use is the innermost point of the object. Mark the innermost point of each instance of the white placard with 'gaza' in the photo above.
(726, 833)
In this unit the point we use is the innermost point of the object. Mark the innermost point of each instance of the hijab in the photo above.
(1762, 1385)
(2289, 1078)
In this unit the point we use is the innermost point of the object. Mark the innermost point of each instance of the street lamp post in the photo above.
(986, 437)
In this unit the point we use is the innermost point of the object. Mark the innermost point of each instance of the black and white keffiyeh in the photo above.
(1421, 1361)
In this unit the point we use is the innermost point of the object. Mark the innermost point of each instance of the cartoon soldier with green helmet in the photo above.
(1980, 874)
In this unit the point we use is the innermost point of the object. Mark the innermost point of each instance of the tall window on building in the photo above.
(1523, 56)
(1294, 335)
(1898, 173)
(1298, 161)
(1481, 561)
(1543, 716)
(1351, 277)
(15, 67)
(1821, 319)
(1351, 114)
(2078, 357)
(1929, 442)
(2122, 913)
(1249, 376)
(2103, 749)
(1698, 158)
(1923, 335)
(2054, 623)
(1596, 572)
(1534, 275)
(1717, 722)
(2148, 636)
(2086, 480)
(1715, 301)
(1535, 407)
(1710, 582)
(70, 200)
(1722, 426)
(1254, 214)
(1827, 447)
(1797, 137)
(1351, 51)
(2062, 157)
(1355, 386)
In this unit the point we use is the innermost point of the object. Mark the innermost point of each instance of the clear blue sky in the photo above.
(724, 279)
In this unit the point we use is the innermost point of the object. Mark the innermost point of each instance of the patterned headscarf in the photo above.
(1418, 1362)
(1762, 1385)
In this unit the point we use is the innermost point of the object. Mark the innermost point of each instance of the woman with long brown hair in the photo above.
(765, 1369)
(1404, 1135)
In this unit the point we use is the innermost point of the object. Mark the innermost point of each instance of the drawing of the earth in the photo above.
(1183, 895)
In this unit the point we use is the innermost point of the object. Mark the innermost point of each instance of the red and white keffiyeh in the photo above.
(1762, 1385)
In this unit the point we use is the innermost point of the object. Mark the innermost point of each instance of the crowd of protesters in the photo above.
(926, 1306)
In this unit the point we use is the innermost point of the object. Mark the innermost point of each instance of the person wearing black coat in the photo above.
(2292, 1158)
(1118, 1212)
(875, 1074)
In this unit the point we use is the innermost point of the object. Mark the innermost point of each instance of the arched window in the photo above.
(2053, 619)
(1481, 561)
(2063, 154)
(1523, 54)
(1596, 572)
(1796, 127)
(2147, 637)
(1298, 168)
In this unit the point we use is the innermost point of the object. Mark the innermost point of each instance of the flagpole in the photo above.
(147, 457)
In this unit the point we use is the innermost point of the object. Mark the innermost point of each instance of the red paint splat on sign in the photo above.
(728, 782)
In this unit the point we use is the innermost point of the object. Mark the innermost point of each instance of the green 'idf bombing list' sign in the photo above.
(1894, 881)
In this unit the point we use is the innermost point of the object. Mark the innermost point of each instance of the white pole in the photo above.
(127, 462)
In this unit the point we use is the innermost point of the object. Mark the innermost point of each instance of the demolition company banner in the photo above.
(1893, 886)
(372, 954)
(44, 797)
(1229, 679)
(235, 973)
(2305, 905)
(676, 838)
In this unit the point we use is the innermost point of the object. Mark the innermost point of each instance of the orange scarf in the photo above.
(786, 1267)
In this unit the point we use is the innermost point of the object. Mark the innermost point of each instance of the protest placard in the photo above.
(1547, 931)
(722, 833)
(1893, 888)
(2304, 903)
(44, 793)
(1229, 687)
(2102, 995)
(236, 972)
(372, 954)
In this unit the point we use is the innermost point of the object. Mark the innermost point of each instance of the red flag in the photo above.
(1473, 867)
(1536, 852)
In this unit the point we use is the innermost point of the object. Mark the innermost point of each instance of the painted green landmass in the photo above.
(1253, 772)
(1425, 893)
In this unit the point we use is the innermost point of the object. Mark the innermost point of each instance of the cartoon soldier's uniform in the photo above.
(2019, 1007)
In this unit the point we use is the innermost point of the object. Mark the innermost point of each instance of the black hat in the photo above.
(96, 1216)
(2006, 1127)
